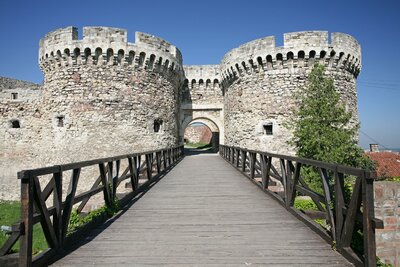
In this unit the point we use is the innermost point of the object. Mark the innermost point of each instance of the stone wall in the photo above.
(201, 85)
(198, 134)
(104, 96)
(387, 208)
(259, 80)
(101, 97)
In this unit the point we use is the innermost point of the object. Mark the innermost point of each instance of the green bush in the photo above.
(323, 129)
(393, 179)
(78, 220)
(304, 204)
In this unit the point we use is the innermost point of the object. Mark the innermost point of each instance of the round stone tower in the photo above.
(259, 80)
(104, 96)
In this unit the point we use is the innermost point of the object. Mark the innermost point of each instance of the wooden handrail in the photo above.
(147, 165)
(341, 215)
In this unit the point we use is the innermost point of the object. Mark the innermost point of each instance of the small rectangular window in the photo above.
(157, 125)
(60, 121)
(268, 129)
(14, 96)
(15, 124)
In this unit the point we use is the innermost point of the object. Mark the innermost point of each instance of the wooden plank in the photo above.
(158, 160)
(110, 169)
(48, 189)
(328, 199)
(339, 205)
(296, 177)
(57, 204)
(103, 177)
(204, 213)
(115, 178)
(45, 221)
(69, 200)
(132, 170)
(350, 220)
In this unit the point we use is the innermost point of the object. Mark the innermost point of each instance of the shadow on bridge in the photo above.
(202, 212)
(198, 151)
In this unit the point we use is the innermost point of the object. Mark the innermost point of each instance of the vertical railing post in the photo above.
(115, 179)
(284, 180)
(110, 168)
(57, 202)
(252, 156)
(339, 205)
(164, 155)
(106, 191)
(368, 214)
(244, 155)
(158, 160)
(237, 158)
(132, 170)
(149, 167)
(289, 181)
(25, 251)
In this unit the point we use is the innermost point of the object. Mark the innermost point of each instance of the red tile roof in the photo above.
(388, 163)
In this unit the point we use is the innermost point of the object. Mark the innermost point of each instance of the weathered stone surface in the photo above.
(103, 95)
(93, 104)
(387, 208)
(198, 134)
(259, 80)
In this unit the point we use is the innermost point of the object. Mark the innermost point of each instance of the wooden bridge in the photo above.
(200, 211)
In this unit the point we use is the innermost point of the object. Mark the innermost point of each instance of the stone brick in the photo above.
(102, 95)
(387, 207)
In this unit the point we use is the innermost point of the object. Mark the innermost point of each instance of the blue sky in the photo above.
(205, 30)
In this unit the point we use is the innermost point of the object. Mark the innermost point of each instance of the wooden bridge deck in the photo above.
(204, 213)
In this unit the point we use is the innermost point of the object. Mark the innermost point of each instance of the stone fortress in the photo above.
(104, 96)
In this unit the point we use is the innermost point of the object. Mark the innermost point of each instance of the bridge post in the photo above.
(25, 251)
(158, 159)
(244, 156)
(252, 164)
(164, 155)
(368, 215)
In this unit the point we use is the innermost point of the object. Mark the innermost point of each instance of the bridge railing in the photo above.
(346, 216)
(42, 195)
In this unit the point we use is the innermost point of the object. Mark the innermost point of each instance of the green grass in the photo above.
(9, 215)
(308, 204)
(78, 220)
(198, 145)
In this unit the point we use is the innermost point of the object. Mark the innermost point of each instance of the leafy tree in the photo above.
(322, 128)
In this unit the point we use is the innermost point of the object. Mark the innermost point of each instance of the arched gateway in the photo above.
(202, 101)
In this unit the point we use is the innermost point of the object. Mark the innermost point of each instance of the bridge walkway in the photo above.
(204, 213)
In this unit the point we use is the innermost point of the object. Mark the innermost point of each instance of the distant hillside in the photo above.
(9, 83)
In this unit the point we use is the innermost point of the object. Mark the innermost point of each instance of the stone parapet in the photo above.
(300, 50)
(108, 46)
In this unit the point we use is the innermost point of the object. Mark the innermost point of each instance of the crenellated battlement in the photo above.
(108, 46)
(300, 50)
(202, 77)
